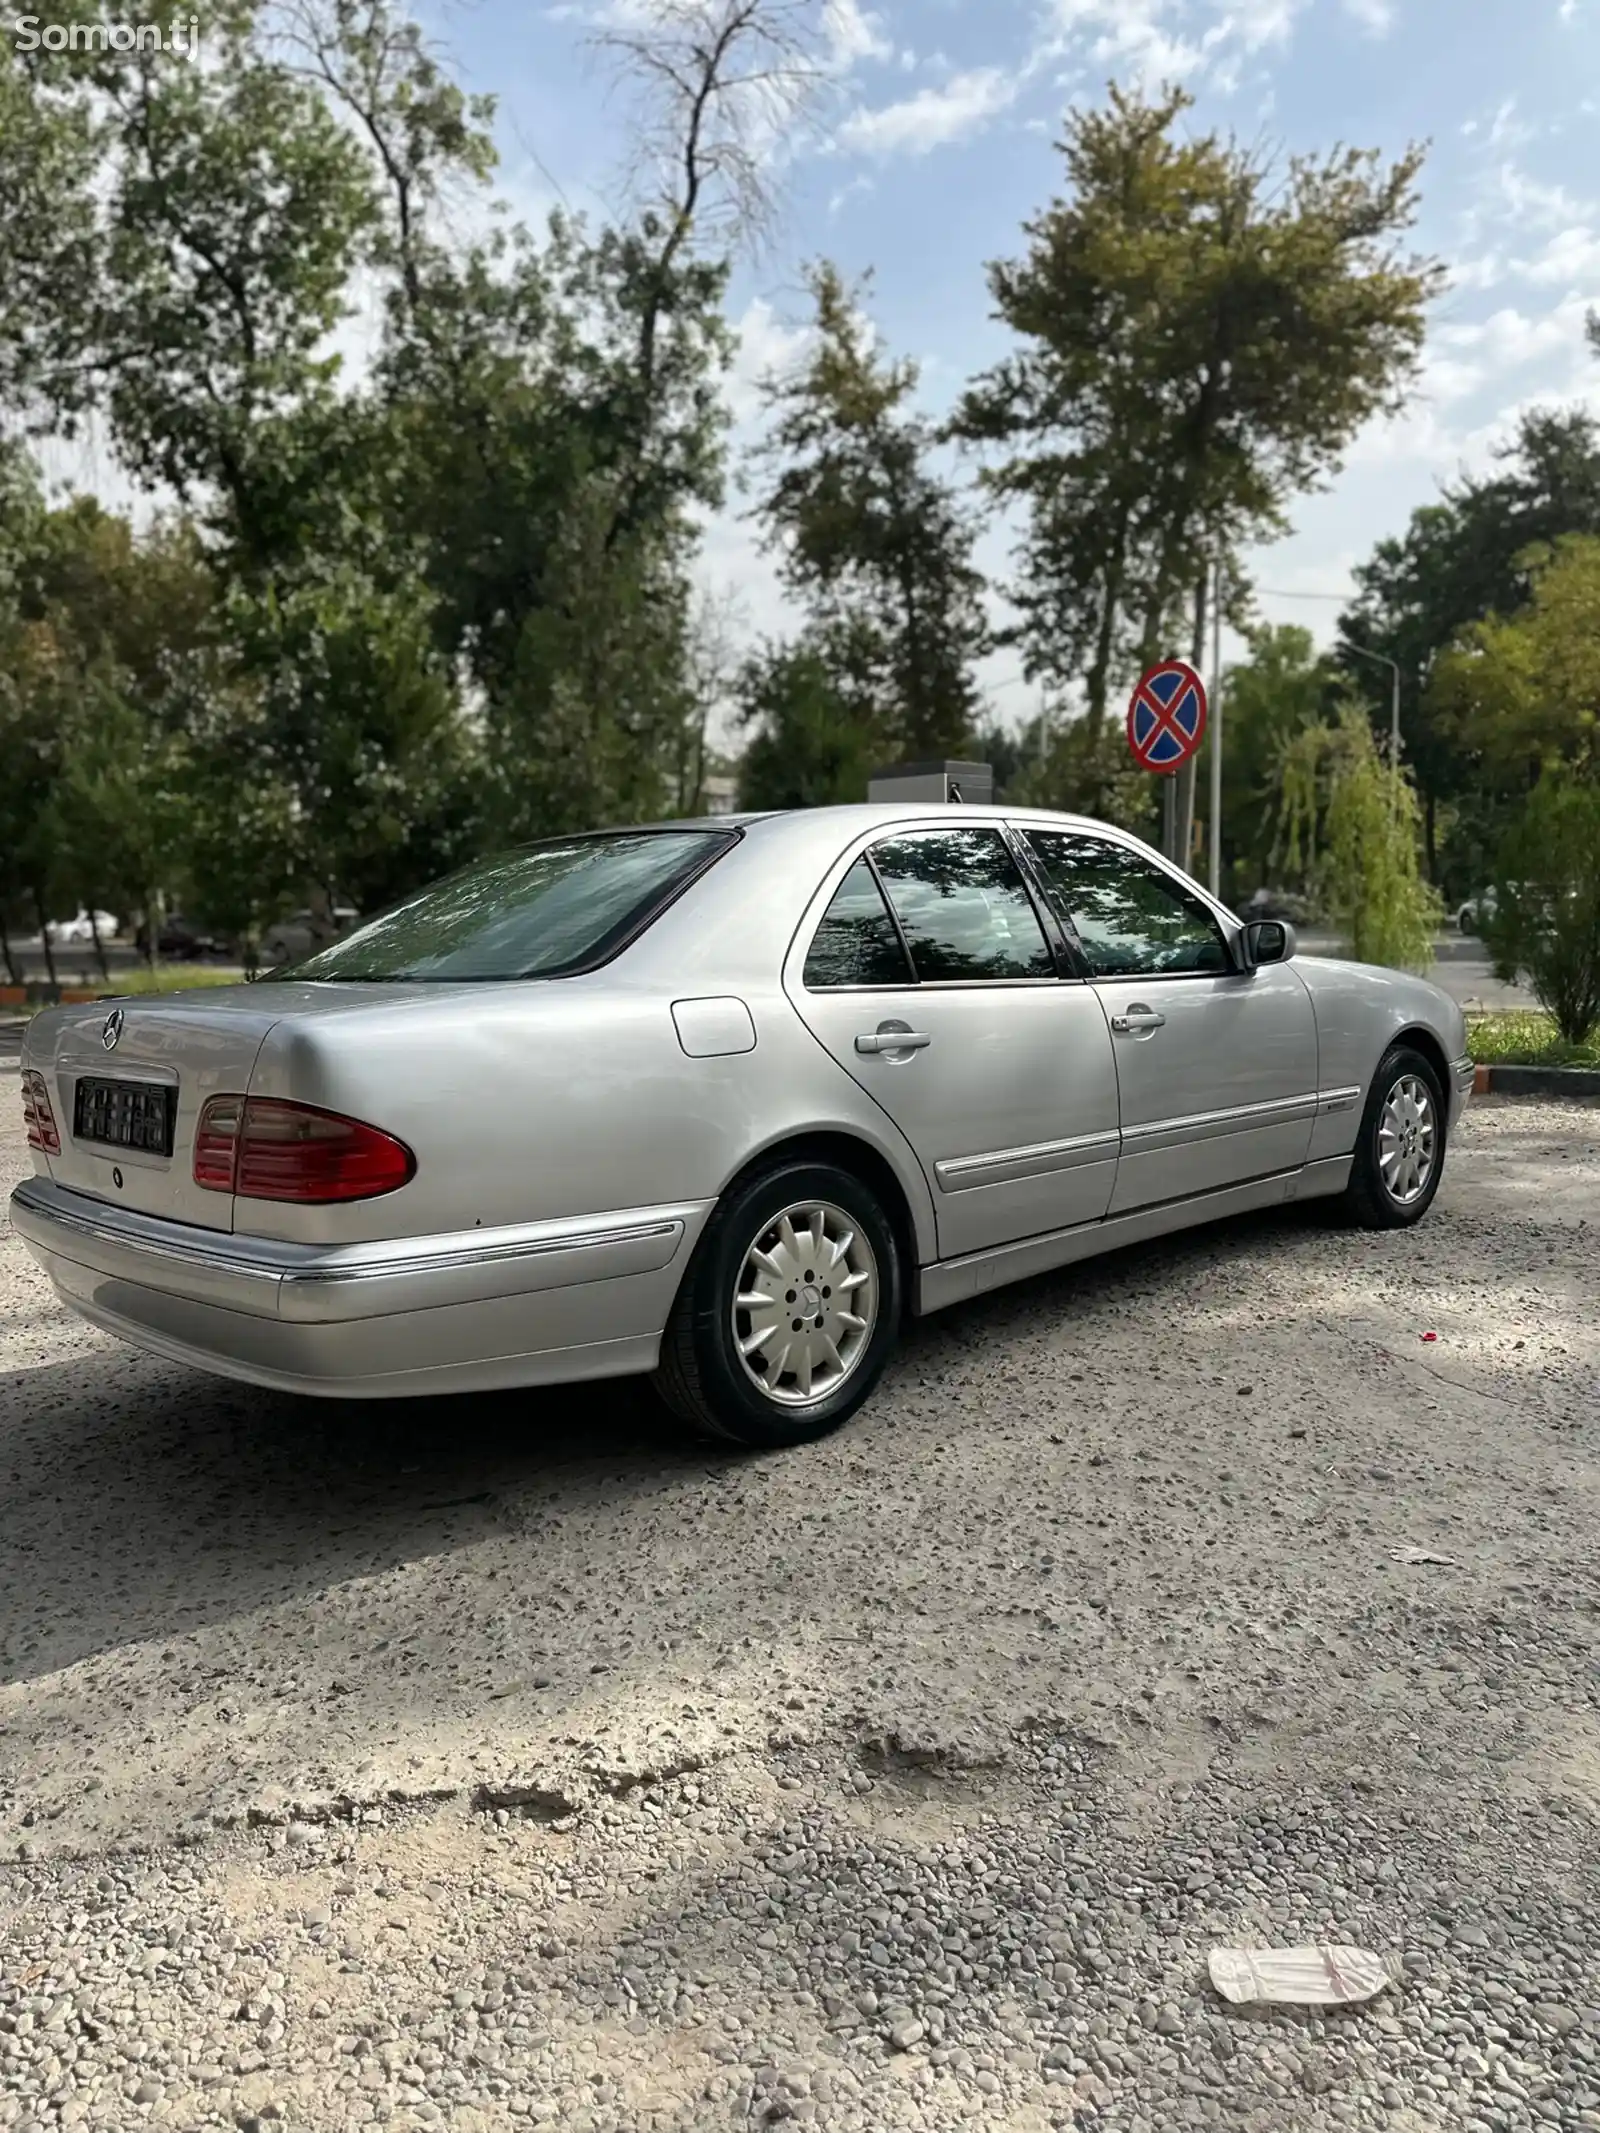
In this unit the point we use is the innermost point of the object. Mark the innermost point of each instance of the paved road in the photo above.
(535, 1767)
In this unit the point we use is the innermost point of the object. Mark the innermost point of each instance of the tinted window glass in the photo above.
(532, 913)
(856, 944)
(1132, 920)
(961, 900)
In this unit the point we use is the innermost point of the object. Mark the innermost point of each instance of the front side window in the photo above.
(1132, 920)
(539, 912)
(856, 944)
(963, 906)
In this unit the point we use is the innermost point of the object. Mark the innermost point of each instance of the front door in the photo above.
(1216, 1065)
(930, 980)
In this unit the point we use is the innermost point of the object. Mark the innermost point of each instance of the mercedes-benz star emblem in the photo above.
(111, 1029)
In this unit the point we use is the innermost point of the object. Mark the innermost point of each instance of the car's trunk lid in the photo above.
(115, 1066)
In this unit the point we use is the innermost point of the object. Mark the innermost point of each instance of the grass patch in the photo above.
(170, 977)
(1521, 1037)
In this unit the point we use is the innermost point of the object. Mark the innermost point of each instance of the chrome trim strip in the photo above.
(1464, 1070)
(1201, 1125)
(271, 1261)
(190, 1246)
(960, 1173)
(1332, 1100)
(469, 1255)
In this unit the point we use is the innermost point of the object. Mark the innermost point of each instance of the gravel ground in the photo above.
(506, 1763)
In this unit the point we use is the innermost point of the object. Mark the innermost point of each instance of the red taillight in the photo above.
(216, 1141)
(266, 1149)
(37, 1115)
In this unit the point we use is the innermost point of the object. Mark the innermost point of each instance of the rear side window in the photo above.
(544, 911)
(856, 944)
(963, 906)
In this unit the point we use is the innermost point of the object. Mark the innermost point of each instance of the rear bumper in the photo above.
(539, 1302)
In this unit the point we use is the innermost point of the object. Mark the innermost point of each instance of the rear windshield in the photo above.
(543, 911)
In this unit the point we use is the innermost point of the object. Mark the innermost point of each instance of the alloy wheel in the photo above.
(806, 1303)
(1407, 1140)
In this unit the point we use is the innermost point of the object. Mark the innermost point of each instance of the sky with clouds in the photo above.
(940, 143)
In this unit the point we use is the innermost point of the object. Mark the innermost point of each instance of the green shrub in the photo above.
(1546, 925)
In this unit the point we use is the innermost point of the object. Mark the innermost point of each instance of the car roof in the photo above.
(865, 814)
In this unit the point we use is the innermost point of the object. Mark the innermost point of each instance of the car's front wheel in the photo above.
(1400, 1155)
(789, 1312)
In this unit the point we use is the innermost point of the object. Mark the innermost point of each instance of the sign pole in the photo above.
(1169, 816)
(1216, 736)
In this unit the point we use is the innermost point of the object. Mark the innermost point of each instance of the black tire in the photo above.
(702, 1376)
(1369, 1198)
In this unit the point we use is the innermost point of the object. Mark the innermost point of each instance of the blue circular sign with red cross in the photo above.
(1167, 716)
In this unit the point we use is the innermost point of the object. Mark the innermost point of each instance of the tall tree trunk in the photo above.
(44, 938)
(1429, 830)
(1098, 679)
(152, 930)
(13, 969)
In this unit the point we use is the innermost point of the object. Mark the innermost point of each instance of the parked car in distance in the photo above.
(1280, 903)
(70, 932)
(178, 936)
(720, 1101)
(293, 936)
(1477, 912)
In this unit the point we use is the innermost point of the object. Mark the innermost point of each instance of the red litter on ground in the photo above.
(1430, 1336)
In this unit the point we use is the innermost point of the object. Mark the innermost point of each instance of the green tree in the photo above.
(868, 534)
(1350, 830)
(1200, 333)
(1090, 772)
(814, 738)
(1522, 693)
(1546, 921)
(1460, 561)
(1269, 700)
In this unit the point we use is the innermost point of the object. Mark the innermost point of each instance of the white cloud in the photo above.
(932, 118)
(847, 193)
(1524, 199)
(852, 35)
(1159, 40)
(1256, 23)
(767, 346)
(1572, 255)
(1376, 17)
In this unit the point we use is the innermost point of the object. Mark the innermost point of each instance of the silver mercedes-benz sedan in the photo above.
(719, 1100)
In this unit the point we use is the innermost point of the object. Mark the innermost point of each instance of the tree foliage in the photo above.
(1546, 921)
(1350, 828)
(871, 539)
(1199, 335)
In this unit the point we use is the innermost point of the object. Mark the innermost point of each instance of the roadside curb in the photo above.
(53, 995)
(1535, 1081)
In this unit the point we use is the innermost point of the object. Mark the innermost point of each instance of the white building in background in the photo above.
(719, 796)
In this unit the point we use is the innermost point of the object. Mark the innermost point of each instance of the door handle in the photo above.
(889, 1039)
(1137, 1018)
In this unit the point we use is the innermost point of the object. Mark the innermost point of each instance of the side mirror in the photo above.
(1269, 940)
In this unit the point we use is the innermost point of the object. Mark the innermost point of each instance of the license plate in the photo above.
(125, 1114)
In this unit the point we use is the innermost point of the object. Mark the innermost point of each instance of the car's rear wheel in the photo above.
(1400, 1155)
(789, 1311)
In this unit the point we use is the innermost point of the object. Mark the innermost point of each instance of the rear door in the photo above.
(928, 974)
(1216, 1065)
